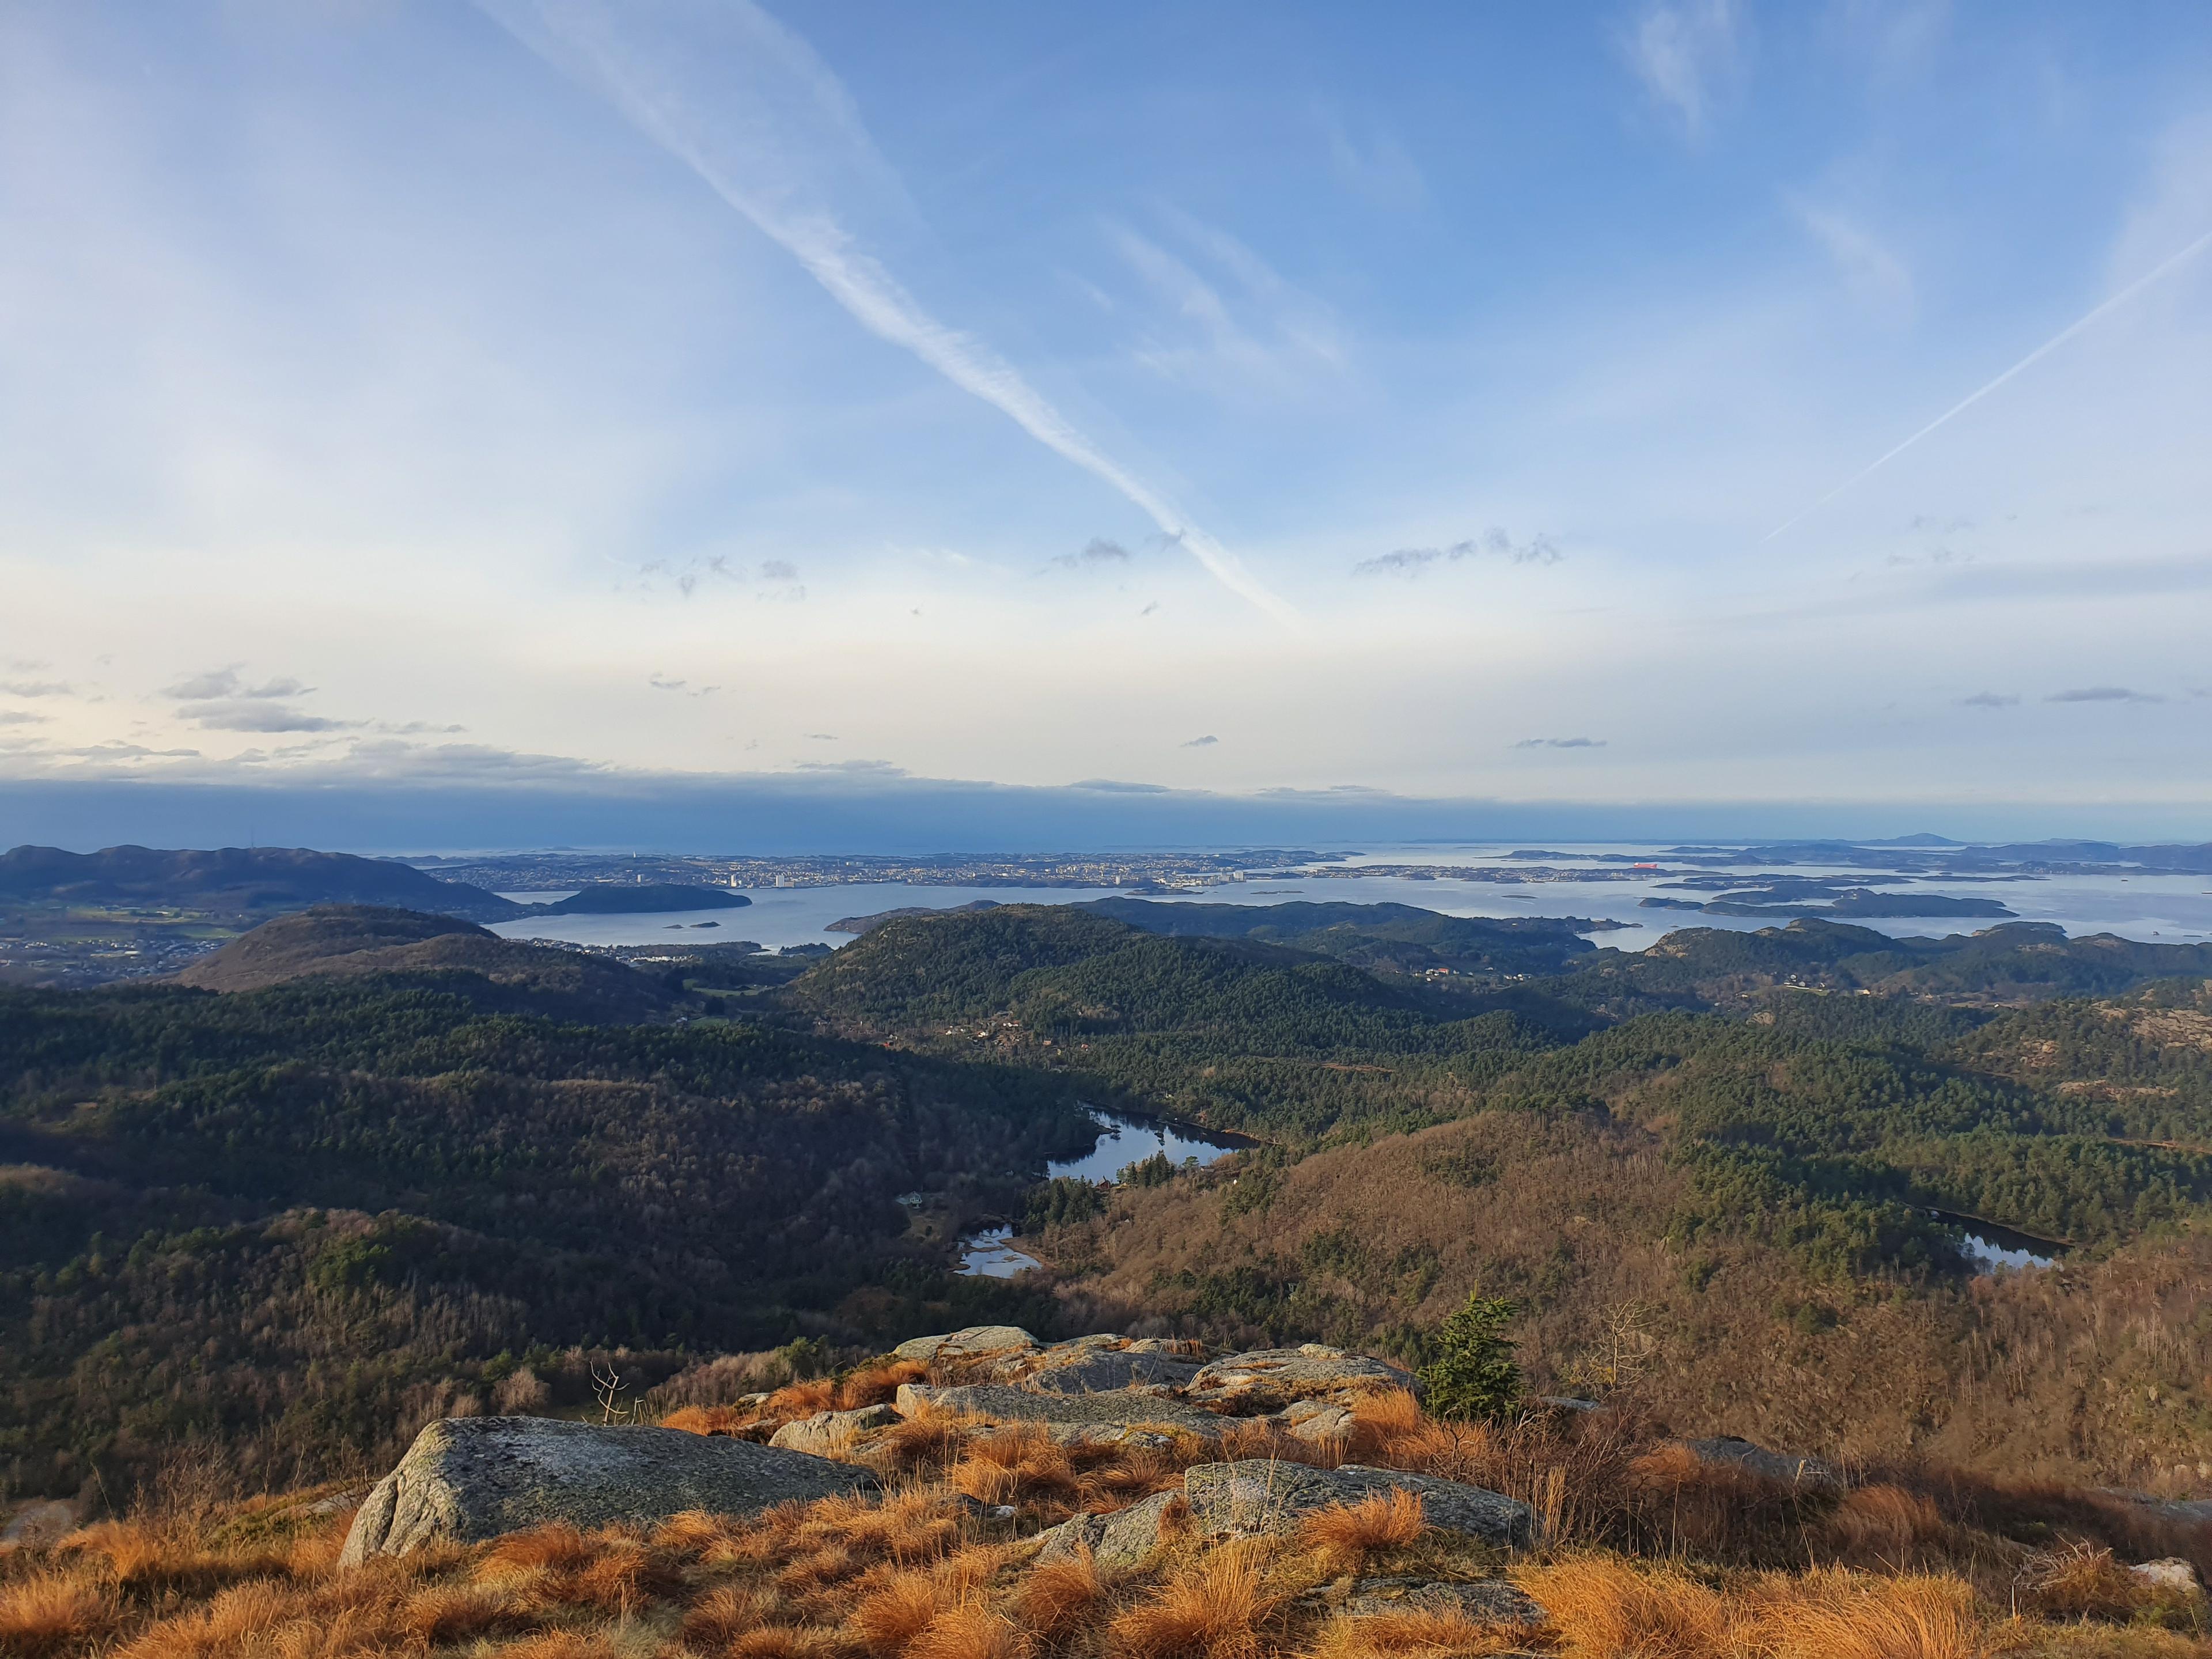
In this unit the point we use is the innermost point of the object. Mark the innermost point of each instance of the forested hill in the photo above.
(1234, 1033)
(287, 1221)
(235, 882)
(1397, 937)
(495, 974)
(402, 1158)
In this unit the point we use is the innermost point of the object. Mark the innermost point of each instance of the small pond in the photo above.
(1991, 1247)
(1123, 1138)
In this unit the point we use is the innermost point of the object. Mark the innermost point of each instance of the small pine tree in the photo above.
(1473, 1376)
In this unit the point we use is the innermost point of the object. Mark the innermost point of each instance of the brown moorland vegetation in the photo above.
(2099, 1371)
(1646, 1552)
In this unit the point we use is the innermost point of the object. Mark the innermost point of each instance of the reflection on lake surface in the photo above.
(1123, 1139)
(1991, 1247)
(987, 1253)
(1129, 1140)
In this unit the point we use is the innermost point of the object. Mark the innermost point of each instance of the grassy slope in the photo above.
(1645, 1552)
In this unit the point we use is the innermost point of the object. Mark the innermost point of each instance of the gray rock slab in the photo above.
(1790, 1468)
(1269, 1379)
(1093, 1368)
(1115, 1415)
(1319, 1427)
(975, 1342)
(832, 1434)
(2169, 1573)
(1256, 1496)
(38, 1524)
(469, 1479)
(1487, 1601)
(1120, 1542)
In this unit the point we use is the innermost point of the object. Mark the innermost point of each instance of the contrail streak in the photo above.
(1969, 401)
(764, 149)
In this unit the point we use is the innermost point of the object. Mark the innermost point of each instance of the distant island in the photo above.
(1859, 902)
(642, 899)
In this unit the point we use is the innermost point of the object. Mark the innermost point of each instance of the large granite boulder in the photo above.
(1120, 1542)
(468, 1479)
(1271, 1378)
(1257, 1496)
(833, 1434)
(1089, 1364)
(1084, 1364)
(978, 1342)
(1120, 1416)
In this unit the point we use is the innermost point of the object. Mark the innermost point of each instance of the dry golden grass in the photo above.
(1654, 1555)
(711, 1420)
(1345, 1534)
(1410, 1634)
(1832, 1613)
(1606, 1608)
(1213, 1608)
(877, 1385)
(1609, 1608)
(1019, 1465)
(1884, 1525)
(971, 1630)
(52, 1611)
(436, 1617)
(800, 1399)
(896, 1611)
(2081, 1580)
(1060, 1595)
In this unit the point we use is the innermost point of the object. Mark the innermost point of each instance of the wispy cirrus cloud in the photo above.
(1560, 743)
(1688, 55)
(746, 104)
(1990, 700)
(1869, 266)
(36, 687)
(1236, 329)
(1376, 168)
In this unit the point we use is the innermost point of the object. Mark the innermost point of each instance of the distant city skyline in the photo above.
(600, 420)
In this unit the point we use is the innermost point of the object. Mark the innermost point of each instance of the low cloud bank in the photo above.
(864, 811)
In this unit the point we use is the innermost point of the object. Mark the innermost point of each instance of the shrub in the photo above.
(1473, 1377)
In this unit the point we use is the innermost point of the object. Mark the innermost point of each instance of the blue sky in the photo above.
(575, 396)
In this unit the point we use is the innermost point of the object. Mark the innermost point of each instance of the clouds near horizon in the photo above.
(666, 385)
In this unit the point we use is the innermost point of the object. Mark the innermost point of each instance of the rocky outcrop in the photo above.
(1317, 1424)
(1120, 1542)
(1254, 1496)
(1120, 1417)
(1089, 1364)
(1251, 1384)
(36, 1525)
(978, 1342)
(1486, 1601)
(2171, 1574)
(470, 1479)
(1086, 1365)
(833, 1434)
(1790, 1468)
